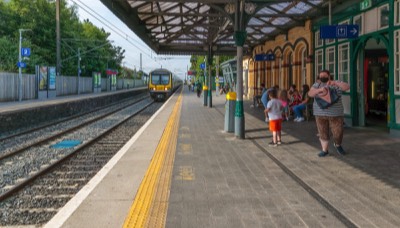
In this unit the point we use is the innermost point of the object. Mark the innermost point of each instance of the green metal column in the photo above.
(209, 61)
(240, 38)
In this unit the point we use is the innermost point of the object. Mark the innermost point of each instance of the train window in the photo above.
(164, 79)
(155, 79)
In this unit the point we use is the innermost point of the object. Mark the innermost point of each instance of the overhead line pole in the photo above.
(58, 65)
(19, 64)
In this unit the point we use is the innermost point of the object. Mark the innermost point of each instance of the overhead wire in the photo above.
(155, 58)
(117, 32)
(123, 35)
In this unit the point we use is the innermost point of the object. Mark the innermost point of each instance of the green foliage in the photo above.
(196, 60)
(97, 52)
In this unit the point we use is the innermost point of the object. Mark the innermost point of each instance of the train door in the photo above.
(375, 87)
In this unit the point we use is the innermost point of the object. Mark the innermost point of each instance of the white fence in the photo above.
(65, 85)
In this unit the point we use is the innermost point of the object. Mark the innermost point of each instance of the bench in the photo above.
(308, 111)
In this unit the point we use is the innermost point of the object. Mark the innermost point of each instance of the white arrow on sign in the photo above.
(354, 31)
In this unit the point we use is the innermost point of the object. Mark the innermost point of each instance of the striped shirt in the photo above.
(334, 110)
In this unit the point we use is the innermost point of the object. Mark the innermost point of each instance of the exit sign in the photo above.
(365, 4)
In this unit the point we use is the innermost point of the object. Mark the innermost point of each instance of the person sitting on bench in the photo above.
(257, 98)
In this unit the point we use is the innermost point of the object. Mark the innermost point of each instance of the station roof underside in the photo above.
(193, 27)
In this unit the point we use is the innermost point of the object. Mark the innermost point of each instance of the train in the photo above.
(162, 83)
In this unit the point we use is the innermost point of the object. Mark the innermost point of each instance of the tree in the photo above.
(39, 16)
(196, 60)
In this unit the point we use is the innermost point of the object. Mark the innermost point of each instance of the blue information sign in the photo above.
(338, 31)
(203, 66)
(21, 64)
(264, 57)
(25, 52)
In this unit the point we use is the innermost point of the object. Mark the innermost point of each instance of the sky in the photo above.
(122, 36)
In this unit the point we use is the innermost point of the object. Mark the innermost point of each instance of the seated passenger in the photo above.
(298, 109)
(294, 97)
(283, 97)
(257, 98)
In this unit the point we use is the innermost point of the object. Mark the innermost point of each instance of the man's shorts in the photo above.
(275, 125)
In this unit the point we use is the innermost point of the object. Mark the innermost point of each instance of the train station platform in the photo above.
(182, 170)
(16, 106)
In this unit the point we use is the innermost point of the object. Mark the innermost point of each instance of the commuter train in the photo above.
(162, 83)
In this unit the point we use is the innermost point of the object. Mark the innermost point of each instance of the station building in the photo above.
(370, 63)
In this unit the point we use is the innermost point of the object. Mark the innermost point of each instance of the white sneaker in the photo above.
(300, 119)
(296, 119)
(266, 120)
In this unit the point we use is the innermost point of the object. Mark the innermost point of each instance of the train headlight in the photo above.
(166, 89)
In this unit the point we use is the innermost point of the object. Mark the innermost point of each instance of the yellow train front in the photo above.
(162, 83)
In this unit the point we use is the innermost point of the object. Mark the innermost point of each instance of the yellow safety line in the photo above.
(151, 201)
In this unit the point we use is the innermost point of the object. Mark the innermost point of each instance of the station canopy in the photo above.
(187, 27)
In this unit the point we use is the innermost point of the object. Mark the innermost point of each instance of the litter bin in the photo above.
(230, 112)
(205, 94)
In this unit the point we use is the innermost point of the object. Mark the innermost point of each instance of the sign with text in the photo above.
(21, 64)
(338, 31)
(43, 76)
(25, 52)
(365, 4)
(52, 78)
(264, 57)
(96, 80)
(191, 72)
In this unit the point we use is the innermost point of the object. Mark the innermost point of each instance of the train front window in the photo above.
(155, 79)
(164, 79)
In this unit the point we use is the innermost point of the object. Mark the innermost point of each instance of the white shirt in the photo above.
(275, 109)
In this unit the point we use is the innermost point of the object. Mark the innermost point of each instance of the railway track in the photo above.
(37, 181)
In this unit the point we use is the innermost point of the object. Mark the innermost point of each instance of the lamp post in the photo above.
(19, 64)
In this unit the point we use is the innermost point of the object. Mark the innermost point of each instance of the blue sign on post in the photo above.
(25, 52)
(338, 31)
(21, 64)
(203, 66)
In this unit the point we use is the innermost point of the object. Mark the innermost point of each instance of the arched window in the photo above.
(303, 70)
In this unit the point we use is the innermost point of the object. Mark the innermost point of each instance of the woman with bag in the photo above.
(328, 111)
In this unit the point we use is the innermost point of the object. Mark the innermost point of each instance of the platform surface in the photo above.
(218, 180)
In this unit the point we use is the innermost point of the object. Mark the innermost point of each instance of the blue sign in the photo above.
(203, 66)
(338, 31)
(21, 64)
(264, 57)
(25, 51)
(270, 57)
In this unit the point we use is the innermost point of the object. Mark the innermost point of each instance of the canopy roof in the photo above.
(194, 26)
